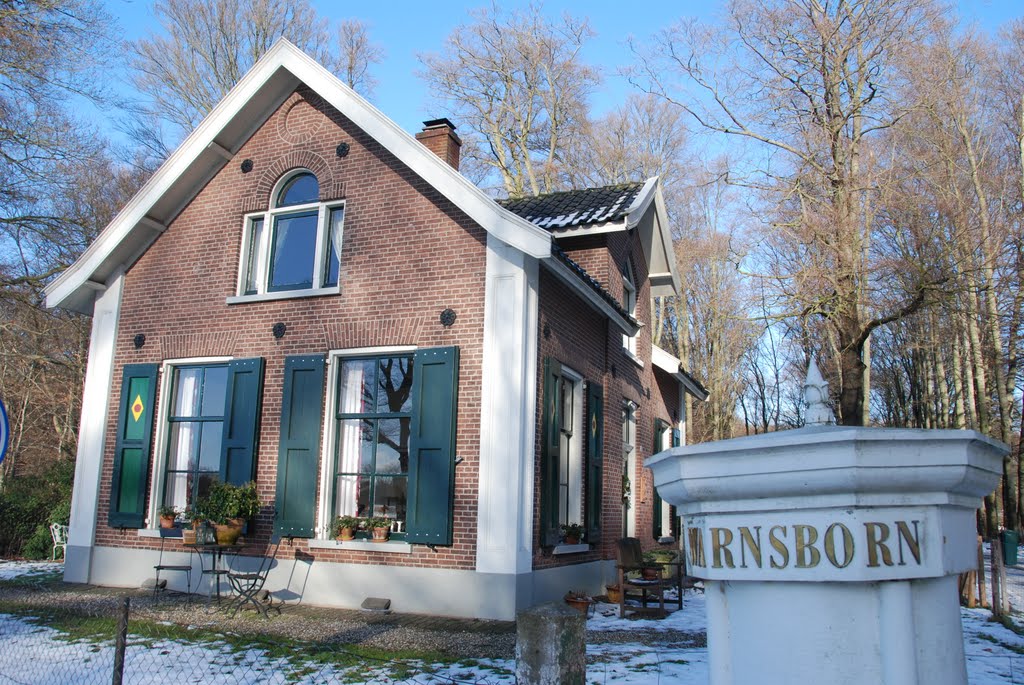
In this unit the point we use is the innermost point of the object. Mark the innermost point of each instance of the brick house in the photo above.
(306, 296)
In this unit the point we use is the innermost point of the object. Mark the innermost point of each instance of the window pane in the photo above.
(356, 386)
(346, 494)
(214, 385)
(177, 490)
(363, 496)
(294, 245)
(209, 448)
(300, 190)
(334, 246)
(252, 268)
(394, 383)
(389, 496)
(183, 446)
(355, 445)
(187, 391)
(567, 405)
(393, 445)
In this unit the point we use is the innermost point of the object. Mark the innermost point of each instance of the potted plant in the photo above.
(380, 527)
(227, 507)
(572, 533)
(579, 601)
(614, 593)
(167, 515)
(344, 527)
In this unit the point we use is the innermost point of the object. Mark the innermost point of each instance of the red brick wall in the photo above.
(407, 254)
(585, 341)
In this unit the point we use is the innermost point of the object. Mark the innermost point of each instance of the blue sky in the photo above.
(405, 29)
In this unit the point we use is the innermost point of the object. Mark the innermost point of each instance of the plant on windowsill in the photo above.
(344, 528)
(167, 515)
(380, 527)
(227, 507)
(572, 533)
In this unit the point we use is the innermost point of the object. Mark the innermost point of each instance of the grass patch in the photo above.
(993, 639)
(294, 659)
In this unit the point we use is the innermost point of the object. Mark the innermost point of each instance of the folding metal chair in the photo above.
(59, 533)
(161, 566)
(248, 586)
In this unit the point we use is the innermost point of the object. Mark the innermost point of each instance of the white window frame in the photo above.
(325, 512)
(158, 467)
(629, 462)
(629, 304)
(571, 455)
(323, 209)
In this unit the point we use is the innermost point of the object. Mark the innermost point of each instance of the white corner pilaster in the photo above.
(508, 403)
(92, 431)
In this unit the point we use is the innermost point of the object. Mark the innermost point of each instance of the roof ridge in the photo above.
(613, 186)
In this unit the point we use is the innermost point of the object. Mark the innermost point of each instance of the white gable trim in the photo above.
(233, 121)
(672, 366)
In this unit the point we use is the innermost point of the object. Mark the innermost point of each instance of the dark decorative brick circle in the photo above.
(139, 340)
(279, 330)
(448, 317)
(342, 150)
(246, 166)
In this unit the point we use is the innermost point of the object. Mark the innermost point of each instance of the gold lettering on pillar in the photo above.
(830, 545)
(806, 536)
(913, 543)
(748, 541)
(779, 545)
(877, 534)
(696, 547)
(721, 538)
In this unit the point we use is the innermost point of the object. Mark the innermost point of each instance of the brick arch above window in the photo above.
(330, 189)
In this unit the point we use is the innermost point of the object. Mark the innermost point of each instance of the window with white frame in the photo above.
(296, 243)
(372, 429)
(629, 304)
(628, 468)
(572, 435)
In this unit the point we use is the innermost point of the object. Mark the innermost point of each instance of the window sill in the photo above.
(633, 358)
(282, 295)
(570, 549)
(363, 546)
(159, 532)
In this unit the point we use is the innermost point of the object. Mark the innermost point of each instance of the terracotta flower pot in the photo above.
(167, 522)
(346, 534)
(228, 533)
(649, 573)
(381, 534)
(581, 604)
(572, 540)
(614, 593)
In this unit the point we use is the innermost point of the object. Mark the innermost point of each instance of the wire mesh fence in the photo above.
(55, 638)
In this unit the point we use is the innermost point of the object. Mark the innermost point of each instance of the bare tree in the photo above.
(518, 82)
(809, 84)
(357, 55)
(207, 45)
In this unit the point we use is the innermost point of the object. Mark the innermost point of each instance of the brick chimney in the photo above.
(438, 135)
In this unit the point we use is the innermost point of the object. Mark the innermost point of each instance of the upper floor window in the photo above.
(295, 244)
(629, 304)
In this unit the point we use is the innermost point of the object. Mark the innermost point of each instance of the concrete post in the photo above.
(551, 645)
(830, 554)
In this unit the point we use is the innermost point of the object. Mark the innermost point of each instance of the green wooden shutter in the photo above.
(660, 428)
(241, 421)
(298, 454)
(134, 446)
(595, 460)
(435, 390)
(550, 450)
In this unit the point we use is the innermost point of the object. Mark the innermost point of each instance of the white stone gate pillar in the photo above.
(830, 554)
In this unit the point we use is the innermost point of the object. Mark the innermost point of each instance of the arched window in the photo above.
(294, 245)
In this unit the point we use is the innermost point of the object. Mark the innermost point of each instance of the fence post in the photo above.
(121, 640)
(982, 592)
(996, 558)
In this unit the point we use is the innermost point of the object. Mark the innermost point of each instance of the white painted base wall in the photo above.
(441, 592)
(890, 633)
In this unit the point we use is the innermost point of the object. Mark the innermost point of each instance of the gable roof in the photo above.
(223, 132)
(620, 207)
(556, 211)
(672, 366)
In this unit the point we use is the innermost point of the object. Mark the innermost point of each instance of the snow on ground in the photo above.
(995, 654)
(14, 569)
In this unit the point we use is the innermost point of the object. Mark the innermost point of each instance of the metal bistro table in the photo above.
(215, 554)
